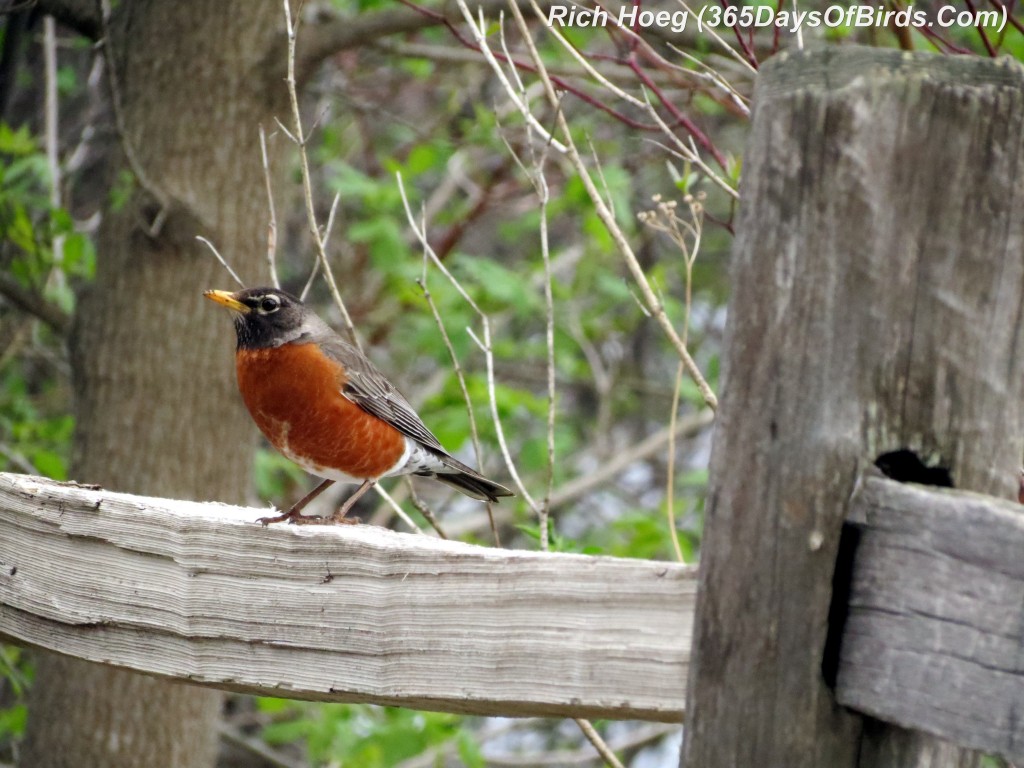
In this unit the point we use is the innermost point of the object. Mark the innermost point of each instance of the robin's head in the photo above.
(268, 317)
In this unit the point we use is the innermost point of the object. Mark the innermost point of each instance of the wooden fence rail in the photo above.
(934, 637)
(200, 593)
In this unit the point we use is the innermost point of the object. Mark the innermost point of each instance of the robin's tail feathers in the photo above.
(475, 486)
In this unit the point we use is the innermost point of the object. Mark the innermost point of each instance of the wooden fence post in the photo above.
(878, 278)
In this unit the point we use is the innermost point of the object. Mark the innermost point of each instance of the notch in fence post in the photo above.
(878, 278)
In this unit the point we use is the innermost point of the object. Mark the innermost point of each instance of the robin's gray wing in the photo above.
(368, 388)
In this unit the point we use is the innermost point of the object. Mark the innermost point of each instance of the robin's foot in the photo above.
(295, 518)
(292, 515)
(323, 520)
(289, 515)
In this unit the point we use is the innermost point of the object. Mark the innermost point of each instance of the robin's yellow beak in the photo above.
(226, 299)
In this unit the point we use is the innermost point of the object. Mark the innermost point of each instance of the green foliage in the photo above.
(15, 677)
(29, 225)
(275, 475)
(42, 252)
(367, 736)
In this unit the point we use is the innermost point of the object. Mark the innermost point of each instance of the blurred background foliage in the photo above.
(424, 105)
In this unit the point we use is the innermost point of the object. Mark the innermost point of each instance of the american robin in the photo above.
(326, 407)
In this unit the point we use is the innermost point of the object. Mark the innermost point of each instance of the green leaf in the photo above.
(50, 464)
(16, 142)
(422, 158)
(503, 286)
(13, 721)
(79, 256)
(121, 190)
(469, 750)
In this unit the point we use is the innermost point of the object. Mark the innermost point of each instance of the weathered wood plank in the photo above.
(877, 294)
(199, 592)
(934, 639)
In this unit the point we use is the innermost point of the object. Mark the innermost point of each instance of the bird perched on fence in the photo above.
(325, 406)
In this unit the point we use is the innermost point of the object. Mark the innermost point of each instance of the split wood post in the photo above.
(878, 277)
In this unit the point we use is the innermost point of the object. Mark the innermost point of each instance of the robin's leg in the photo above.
(339, 516)
(294, 514)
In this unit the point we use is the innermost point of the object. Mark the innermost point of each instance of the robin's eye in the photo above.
(269, 304)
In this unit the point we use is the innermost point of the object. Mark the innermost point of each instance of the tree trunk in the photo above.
(157, 410)
(877, 291)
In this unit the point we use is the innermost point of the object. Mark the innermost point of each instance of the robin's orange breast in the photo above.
(294, 395)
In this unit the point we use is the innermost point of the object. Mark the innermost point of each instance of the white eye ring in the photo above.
(268, 305)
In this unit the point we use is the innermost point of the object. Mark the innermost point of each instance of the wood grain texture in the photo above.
(878, 290)
(199, 592)
(934, 639)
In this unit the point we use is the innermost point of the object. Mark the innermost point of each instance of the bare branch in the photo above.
(34, 304)
(257, 747)
(652, 444)
(427, 512)
(488, 350)
(670, 481)
(599, 744)
(220, 258)
(397, 508)
(343, 32)
(653, 304)
(50, 130)
(477, 29)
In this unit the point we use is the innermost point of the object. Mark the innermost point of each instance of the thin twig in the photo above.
(485, 347)
(397, 508)
(653, 304)
(712, 75)
(670, 482)
(733, 53)
(327, 234)
(607, 217)
(300, 139)
(220, 258)
(540, 185)
(485, 49)
(272, 226)
(419, 230)
(565, 758)
(446, 54)
(688, 151)
(549, 333)
(574, 489)
(461, 378)
(425, 510)
(35, 304)
(599, 743)
(686, 234)
(257, 747)
(629, 98)
(650, 445)
(680, 118)
(50, 134)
